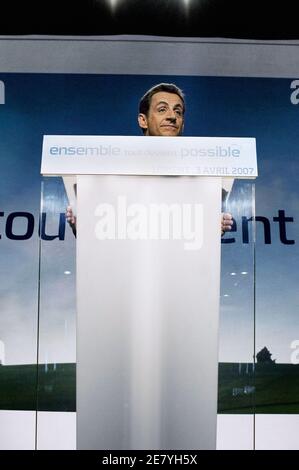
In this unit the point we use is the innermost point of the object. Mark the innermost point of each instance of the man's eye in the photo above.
(178, 112)
(161, 110)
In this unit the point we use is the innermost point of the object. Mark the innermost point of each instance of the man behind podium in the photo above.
(162, 110)
(161, 113)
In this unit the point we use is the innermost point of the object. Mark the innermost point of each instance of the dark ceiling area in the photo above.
(244, 19)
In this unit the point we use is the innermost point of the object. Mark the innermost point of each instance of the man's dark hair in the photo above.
(145, 101)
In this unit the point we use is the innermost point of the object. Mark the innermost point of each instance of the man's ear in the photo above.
(142, 121)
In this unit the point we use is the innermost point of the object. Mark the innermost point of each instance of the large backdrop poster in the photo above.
(32, 105)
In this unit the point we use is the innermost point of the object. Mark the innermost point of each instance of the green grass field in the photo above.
(271, 388)
(276, 388)
(56, 389)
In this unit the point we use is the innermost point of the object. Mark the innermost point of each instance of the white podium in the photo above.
(148, 280)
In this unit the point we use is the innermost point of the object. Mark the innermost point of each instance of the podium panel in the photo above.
(57, 303)
(147, 306)
(148, 302)
(236, 380)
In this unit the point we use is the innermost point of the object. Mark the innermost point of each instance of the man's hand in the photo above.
(71, 219)
(226, 222)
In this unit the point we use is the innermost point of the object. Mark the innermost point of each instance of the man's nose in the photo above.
(171, 115)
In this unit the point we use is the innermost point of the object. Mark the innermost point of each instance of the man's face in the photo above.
(165, 116)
